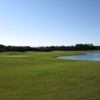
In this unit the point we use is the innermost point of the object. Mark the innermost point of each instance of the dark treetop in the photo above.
(4, 48)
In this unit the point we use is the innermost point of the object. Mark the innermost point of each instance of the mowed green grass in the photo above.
(41, 76)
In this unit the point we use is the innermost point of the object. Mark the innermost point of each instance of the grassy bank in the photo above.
(41, 76)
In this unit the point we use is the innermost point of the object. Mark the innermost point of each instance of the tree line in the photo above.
(4, 48)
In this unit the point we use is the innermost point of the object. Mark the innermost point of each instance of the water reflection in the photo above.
(84, 56)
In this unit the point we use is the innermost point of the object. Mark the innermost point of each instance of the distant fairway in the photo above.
(42, 76)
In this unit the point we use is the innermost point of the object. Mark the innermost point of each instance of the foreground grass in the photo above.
(41, 76)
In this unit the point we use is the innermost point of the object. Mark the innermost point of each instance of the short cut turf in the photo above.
(41, 76)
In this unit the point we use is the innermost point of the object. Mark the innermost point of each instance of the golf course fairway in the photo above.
(42, 76)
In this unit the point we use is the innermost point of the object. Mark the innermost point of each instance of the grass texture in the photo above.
(42, 76)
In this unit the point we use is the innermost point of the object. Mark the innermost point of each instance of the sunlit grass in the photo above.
(41, 76)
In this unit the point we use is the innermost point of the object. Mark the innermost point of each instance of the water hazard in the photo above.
(95, 56)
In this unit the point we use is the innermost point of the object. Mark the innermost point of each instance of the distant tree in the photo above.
(2, 48)
(49, 48)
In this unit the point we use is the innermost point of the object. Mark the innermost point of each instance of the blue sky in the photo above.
(49, 22)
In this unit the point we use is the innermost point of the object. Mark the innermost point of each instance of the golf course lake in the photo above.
(95, 56)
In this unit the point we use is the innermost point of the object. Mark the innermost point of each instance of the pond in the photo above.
(95, 56)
